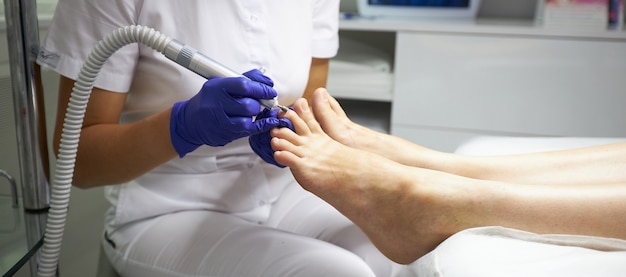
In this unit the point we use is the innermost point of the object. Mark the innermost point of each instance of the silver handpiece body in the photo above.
(206, 67)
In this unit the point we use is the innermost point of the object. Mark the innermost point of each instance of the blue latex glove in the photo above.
(260, 142)
(222, 111)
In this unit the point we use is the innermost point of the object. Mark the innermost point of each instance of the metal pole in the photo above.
(23, 46)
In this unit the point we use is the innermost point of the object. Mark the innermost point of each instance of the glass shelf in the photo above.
(18, 239)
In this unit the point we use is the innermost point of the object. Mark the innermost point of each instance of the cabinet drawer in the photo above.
(510, 84)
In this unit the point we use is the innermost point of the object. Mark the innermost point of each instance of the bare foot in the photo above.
(338, 126)
(380, 196)
(334, 121)
(316, 160)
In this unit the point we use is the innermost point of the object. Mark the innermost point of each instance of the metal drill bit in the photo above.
(282, 108)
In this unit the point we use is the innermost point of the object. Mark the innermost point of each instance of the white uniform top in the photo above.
(278, 35)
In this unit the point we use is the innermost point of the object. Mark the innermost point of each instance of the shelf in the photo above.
(363, 69)
(359, 94)
(372, 114)
(13, 243)
(479, 26)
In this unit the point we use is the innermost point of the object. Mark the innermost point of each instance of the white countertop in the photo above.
(478, 26)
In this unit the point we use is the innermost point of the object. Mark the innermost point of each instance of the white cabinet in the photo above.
(455, 80)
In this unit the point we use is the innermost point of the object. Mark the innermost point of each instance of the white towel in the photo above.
(499, 251)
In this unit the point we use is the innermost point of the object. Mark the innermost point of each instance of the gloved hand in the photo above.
(260, 142)
(221, 112)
